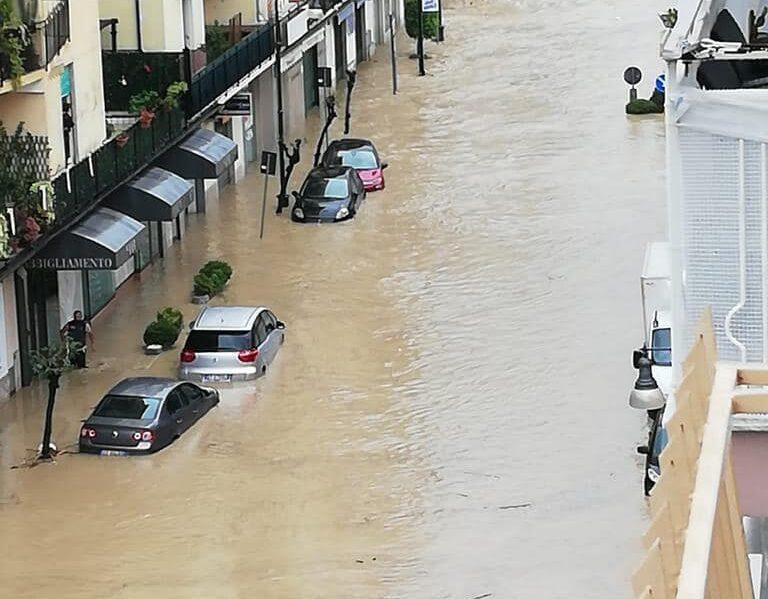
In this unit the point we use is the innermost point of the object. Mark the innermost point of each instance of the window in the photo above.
(173, 403)
(326, 188)
(662, 339)
(215, 341)
(261, 331)
(131, 408)
(362, 159)
(269, 321)
(190, 393)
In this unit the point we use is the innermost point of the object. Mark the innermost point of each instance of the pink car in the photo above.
(361, 155)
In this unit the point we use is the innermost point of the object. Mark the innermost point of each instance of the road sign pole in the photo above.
(264, 206)
(268, 167)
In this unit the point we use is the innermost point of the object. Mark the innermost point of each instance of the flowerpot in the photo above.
(200, 299)
(153, 350)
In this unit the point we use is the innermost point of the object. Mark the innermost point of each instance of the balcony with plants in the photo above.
(34, 205)
(29, 41)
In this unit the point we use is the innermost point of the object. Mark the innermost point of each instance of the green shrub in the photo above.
(161, 332)
(431, 21)
(212, 278)
(172, 316)
(204, 285)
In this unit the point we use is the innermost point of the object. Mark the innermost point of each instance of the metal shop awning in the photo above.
(203, 155)
(103, 241)
(156, 195)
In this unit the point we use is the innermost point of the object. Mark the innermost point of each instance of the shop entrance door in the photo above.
(311, 91)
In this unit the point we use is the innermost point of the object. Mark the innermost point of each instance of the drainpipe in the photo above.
(138, 26)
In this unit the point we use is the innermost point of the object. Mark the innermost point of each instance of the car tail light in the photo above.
(147, 436)
(248, 355)
(188, 356)
(87, 432)
(84, 432)
(137, 436)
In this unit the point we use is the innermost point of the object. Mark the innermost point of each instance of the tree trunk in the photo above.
(53, 385)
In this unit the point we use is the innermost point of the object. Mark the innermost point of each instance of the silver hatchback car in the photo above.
(231, 343)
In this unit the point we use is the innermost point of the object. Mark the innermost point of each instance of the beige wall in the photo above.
(125, 12)
(162, 24)
(223, 10)
(39, 104)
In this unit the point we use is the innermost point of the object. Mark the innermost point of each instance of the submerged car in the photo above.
(231, 343)
(143, 415)
(328, 194)
(361, 155)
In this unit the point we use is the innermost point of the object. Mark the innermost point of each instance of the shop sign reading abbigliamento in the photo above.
(73, 263)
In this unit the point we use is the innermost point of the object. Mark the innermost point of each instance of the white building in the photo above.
(717, 159)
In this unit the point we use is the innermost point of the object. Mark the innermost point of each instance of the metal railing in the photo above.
(41, 41)
(127, 73)
(234, 64)
(113, 163)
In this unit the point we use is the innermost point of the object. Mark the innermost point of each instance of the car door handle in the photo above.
(195, 411)
(179, 420)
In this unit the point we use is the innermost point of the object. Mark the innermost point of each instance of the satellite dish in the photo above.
(633, 75)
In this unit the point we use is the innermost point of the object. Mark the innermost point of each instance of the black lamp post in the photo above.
(351, 79)
(282, 196)
(420, 43)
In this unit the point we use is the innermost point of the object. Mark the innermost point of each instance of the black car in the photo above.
(143, 415)
(328, 194)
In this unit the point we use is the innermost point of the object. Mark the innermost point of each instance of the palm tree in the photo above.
(50, 363)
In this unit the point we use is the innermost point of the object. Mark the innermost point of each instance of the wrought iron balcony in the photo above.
(39, 42)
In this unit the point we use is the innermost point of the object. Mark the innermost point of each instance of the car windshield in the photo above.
(128, 407)
(662, 338)
(213, 341)
(357, 158)
(326, 188)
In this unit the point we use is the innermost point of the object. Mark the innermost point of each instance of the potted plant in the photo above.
(430, 23)
(212, 279)
(162, 333)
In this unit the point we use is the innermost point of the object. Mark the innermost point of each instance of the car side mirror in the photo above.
(280, 325)
(637, 355)
(191, 324)
(296, 195)
(643, 450)
(384, 165)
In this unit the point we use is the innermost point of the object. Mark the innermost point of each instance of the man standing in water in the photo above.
(78, 330)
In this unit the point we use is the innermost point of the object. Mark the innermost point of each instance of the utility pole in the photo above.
(393, 54)
(422, 71)
(282, 196)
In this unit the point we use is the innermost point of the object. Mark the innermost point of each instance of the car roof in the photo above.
(350, 144)
(330, 172)
(227, 318)
(145, 386)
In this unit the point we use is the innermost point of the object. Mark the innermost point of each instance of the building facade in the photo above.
(124, 174)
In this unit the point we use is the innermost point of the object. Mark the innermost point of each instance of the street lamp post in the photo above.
(282, 196)
(422, 71)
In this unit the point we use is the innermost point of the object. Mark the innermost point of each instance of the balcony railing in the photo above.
(41, 42)
(229, 68)
(127, 73)
(113, 163)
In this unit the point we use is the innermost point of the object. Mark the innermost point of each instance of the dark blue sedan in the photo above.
(143, 415)
(329, 194)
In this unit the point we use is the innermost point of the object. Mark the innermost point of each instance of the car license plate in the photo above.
(113, 452)
(216, 378)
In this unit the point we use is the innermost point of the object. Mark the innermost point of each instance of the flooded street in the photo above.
(448, 417)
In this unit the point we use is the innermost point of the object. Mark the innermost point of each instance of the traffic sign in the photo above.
(268, 163)
(633, 75)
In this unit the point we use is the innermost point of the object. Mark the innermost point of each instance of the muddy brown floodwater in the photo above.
(448, 417)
